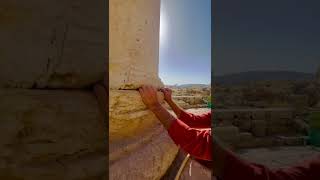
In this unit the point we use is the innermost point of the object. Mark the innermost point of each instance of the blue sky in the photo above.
(253, 35)
(185, 41)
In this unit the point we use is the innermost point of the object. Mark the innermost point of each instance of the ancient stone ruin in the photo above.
(260, 127)
(50, 123)
(139, 147)
(52, 53)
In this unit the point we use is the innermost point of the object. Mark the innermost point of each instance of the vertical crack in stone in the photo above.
(54, 55)
(52, 73)
(48, 65)
(63, 43)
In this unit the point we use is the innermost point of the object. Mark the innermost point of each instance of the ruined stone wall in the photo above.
(187, 102)
(49, 131)
(139, 147)
(247, 128)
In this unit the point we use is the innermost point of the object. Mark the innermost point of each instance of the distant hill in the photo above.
(250, 76)
(190, 85)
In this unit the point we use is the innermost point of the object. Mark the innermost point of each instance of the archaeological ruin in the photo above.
(51, 124)
(139, 146)
(52, 53)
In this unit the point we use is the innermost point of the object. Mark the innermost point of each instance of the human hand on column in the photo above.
(150, 99)
(167, 94)
(149, 96)
(168, 98)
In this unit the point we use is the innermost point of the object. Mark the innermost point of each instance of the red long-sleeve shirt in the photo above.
(187, 133)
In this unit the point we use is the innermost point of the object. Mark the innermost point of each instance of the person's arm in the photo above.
(150, 99)
(168, 98)
(176, 109)
(228, 166)
(198, 121)
(194, 141)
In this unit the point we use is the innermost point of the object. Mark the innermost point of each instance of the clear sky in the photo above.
(253, 35)
(185, 42)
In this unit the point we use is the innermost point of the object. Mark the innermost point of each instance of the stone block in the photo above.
(245, 136)
(278, 122)
(246, 140)
(264, 141)
(41, 48)
(280, 115)
(293, 140)
(223, 115)
(228, 134)
(44, 135)
(300, 126)
(261, 115)
(245, 124)
(149, 161)
(278, 130)
(259, 128)
(128, 116)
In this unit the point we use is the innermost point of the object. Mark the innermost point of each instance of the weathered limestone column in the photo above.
(133, 43)
(139, 146)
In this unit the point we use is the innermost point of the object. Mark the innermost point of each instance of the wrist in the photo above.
(155, 107)
(169, 100)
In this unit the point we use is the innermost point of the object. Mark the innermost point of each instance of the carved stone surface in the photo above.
(149, 160)
(259, 128)
(52, 44)
(128, 115)
(44, 135)
(137, 141)
(139, 147)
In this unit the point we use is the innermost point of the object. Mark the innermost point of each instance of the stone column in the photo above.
(139, 147)
(133, 43)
